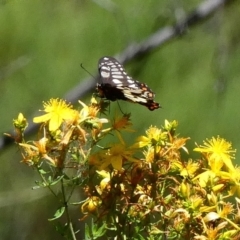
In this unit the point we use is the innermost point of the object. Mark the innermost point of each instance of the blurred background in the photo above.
(195, 77)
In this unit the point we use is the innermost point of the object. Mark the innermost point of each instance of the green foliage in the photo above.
(58, 214)
(93, 231)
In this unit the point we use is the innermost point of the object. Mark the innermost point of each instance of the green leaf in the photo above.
(57, 180)
(58, 214)
(42, 171)
(93, 231)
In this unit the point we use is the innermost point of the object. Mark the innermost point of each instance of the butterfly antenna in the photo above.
(86, 70)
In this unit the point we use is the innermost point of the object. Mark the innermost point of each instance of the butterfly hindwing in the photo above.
(116, 84)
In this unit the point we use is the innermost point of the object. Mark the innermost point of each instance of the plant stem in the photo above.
(69, 221)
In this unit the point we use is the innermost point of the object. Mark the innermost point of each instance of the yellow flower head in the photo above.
(226, 210)
(57, 110)
(218, 152)
(94, 107)
(170, 126)
(21, 122)
(91, 205)
(149, 155)
(115, 155)
(105, 182)
(88, 114)
(186, 169)
(33, 154)
(89, 111)
(30, 153)
(155, 137)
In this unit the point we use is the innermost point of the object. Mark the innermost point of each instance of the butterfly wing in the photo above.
(116, 84)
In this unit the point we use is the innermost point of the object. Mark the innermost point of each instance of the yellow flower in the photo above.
(57, 110)
(88, 114)
(105, 182)
(186, 169)
(226, 209)
(89, 111)
(179, 143)
(33, 154)
(205, 178)
(155, 137)
(115, 155)
(91, 205)
(21, 122)
(149, 155)
(233, 177)
(170, 126)
(218, 152)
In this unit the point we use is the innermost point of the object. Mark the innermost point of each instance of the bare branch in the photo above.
(163, 35)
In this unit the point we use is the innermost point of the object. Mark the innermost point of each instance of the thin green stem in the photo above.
(65, 202)
(47, 184)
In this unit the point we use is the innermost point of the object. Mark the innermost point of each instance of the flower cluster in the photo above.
(150, 189)
(62, 129)
(165, 194)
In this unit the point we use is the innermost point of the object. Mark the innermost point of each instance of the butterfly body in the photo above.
(117, 85)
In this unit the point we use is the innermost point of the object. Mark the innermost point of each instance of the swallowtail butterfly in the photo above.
(116, 84)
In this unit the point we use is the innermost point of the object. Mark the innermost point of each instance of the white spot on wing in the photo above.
(116, 81)
(117, 76)
(130, 81)
(129, 96)
(134, 98)
(139, 99)
(105, 74)
(105, 68)
(116, 72)
(136, 91)
(133, 86)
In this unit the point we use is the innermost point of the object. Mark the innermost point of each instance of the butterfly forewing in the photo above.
(116, 84)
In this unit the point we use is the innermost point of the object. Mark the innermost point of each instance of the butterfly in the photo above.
(116, 84)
